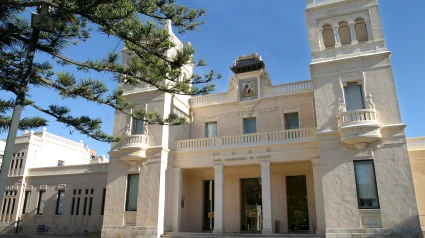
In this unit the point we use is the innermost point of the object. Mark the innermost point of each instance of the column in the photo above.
(266, 197)
(177, 194)
(320, 37)
(336, 36)
(218, 198)
(318, 196)
(353, 35)
(370, 36)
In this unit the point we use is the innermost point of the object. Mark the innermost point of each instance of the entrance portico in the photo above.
(232, 211)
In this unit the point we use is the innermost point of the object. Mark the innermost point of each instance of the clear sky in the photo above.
(276, 30)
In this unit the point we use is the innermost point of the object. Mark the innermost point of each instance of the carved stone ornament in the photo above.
(342, 107)
(264, 76)
(369, 102)
(128, 131)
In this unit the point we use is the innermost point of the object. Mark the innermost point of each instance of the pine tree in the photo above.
(138, 23)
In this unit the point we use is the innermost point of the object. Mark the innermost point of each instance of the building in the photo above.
(2, 146)
(325, 156)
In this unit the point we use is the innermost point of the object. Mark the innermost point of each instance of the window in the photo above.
(367, 192)
(361, 30)
(328, 36)
(292, 121)
(353, 96)
(344, 33)
(61, 163)
(27, 201)
(72, 206)
(78, 207)
(137, 126)
(40, 203)
(211, 129)
(102, 211)
(90, 205)
(132, 191)
(85, 206)
(249, 125)
(59, 203)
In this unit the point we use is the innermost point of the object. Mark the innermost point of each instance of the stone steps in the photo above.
(237, 235)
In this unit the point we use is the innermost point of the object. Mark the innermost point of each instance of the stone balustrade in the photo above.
(69, 169)
(16, 172)
(211, 98)
(286, 136)
(314, 3)
(135, 141)
(292, 88)
(417, 143)
(358, 116)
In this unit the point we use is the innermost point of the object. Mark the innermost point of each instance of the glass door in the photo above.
(208, 215)
(296, 190)
(251, 202)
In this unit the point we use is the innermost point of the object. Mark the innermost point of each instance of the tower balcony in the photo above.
(359, 127)
(133, 148)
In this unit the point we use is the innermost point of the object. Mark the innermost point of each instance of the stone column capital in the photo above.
(336, 27)
(351, 24)
(265, 164)
(315, 161)
(218, 167)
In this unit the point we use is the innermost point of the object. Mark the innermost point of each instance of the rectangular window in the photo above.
(87, 191)
(77, 210)
(8, 206)
(85, 206)
(102, 211)
(292, 121)
(90, 205)
(59, 203)
(249, 125)
(367, 192)
(72, 206)
(132, 191)
(40, 202)
(137, 126)
(27, 201)
(11, 164)
(61, 163)
(211, 129)
(13, 206)
(91, 191)
(4, 206)
(20, 164)
(353, 97)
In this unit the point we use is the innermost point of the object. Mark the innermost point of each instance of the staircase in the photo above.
(237, 235)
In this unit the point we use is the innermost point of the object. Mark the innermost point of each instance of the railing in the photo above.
(134, 141)
(16, 172)
(287, 136)
(208, 98)
(61, 140)
(417, 143)
(357, 116)
(291, 88)
(69, 169)
(312, 3)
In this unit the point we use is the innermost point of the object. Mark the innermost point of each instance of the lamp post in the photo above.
(39, 22)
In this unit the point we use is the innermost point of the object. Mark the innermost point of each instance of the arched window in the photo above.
(361, 30)
(344, 33)
(328, 36)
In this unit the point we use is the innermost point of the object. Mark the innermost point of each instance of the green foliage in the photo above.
(138, 23)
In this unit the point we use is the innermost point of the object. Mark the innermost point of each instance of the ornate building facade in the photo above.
(326, 156)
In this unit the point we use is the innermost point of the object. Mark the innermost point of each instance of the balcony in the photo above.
(255, 139)
(359, 127)
(132, 148)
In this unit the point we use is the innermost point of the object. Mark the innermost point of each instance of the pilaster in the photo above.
(266, 197)
(218, 198)
(177, 191)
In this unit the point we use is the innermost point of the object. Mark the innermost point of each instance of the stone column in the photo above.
(370, 36)
(320, 35)
(266, 197)
(353, 35)
(336, 36)
(218, 198)
(318, 196)
(177, 194)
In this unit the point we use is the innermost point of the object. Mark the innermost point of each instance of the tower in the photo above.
(136, 193)
(366, 175)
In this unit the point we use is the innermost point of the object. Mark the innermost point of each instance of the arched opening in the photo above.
(328, 36)
(361, 30)
(344, 33)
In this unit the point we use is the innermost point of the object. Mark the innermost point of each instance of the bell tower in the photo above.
(359, 129)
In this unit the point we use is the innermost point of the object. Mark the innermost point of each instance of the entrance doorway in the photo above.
(251, 205)
(208, 216)
(296, 190)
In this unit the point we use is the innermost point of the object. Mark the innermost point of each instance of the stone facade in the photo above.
(325, 156)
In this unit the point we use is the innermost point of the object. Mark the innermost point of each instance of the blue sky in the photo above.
(276, 30)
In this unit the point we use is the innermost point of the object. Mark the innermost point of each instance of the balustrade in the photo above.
(290, 88)
(209, 98)
(138, 141)
(247, 139)
(417, 143)
(358, 116)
